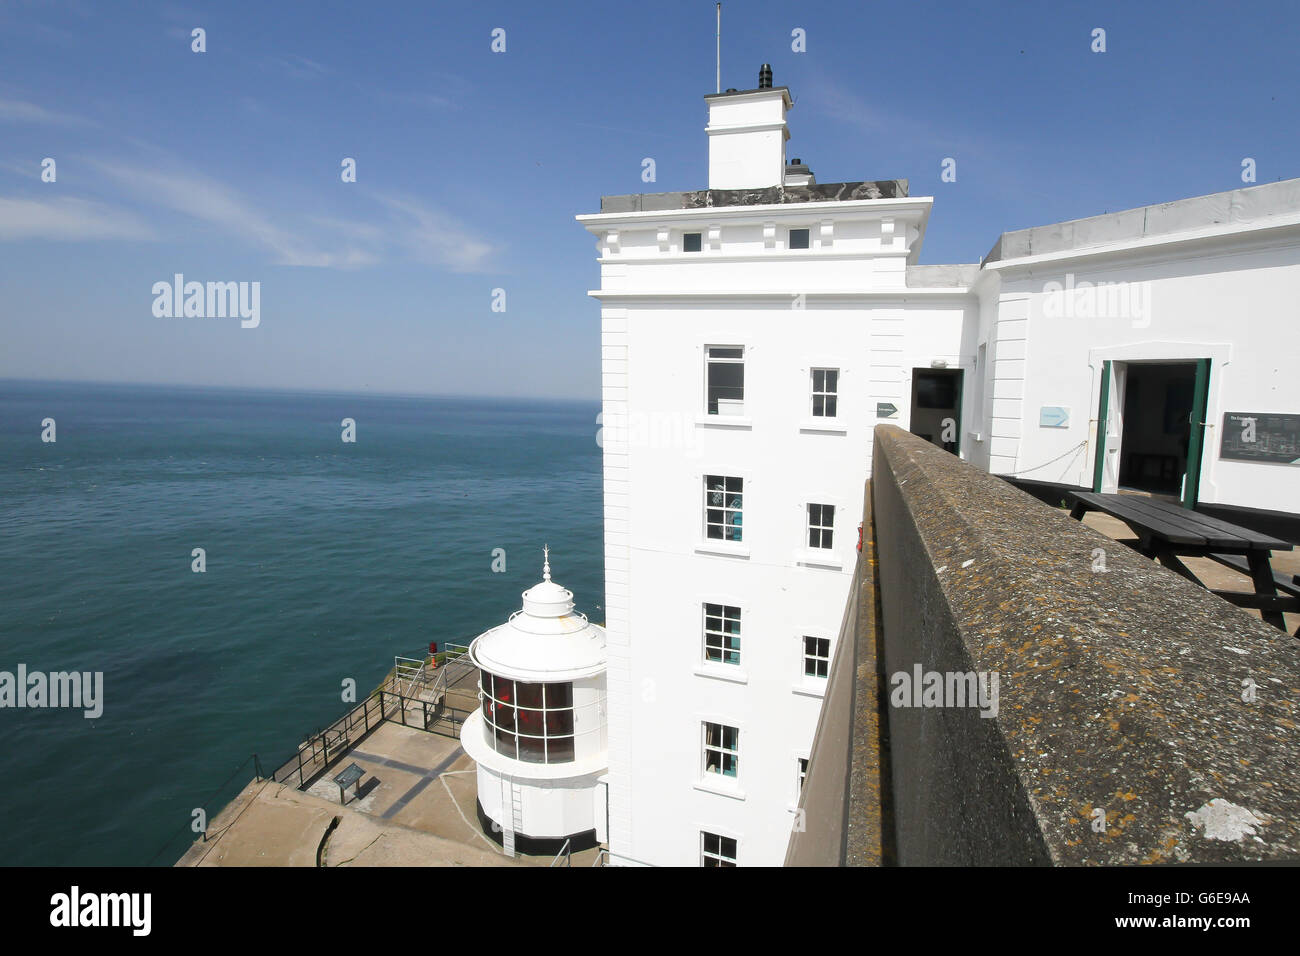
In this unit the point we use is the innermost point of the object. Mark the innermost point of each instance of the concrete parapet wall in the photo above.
(1118, 691)
(842, 818)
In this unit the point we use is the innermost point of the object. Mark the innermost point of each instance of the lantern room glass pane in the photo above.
(506, 743)
(559, 695)
(528, 721)
(503, 690)
(505, 716)
(559, 749)
(532, 749)
(530, 695)
(559, 723)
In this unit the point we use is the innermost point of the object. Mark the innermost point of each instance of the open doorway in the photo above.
(936, 407)
(1154, 446)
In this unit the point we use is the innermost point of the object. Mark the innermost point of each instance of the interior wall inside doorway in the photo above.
(936, 407)
(1156, 431)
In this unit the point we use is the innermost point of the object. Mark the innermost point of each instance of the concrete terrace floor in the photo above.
(1211, 573)
(416, 808)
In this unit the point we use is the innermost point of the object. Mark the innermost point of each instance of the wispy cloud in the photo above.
(25, 168)
(404, 229)
(357, 231)
(430, 236)
(19, 19)
(207, 200)
(442, 91)
(68, 219)
(38, 32)
(22, 111)
(299, 67)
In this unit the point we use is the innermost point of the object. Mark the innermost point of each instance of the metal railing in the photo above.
(180, 842)
(324, 747)
(455, 652)
(566, 852)
(317, 752)
(411, 671)
(455, 661)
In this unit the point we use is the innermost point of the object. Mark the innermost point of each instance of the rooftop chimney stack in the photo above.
(747, 135)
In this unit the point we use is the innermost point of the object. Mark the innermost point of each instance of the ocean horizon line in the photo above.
(293, 390)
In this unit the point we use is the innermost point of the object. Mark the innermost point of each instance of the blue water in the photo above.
(324, 560)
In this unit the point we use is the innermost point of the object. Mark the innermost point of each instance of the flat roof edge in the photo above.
(766, 196)
(1233, 210)
(1221, 232)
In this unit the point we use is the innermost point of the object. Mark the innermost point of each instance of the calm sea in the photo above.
(324, 560)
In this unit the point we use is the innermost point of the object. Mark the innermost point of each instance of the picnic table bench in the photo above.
(1167, 531)
(350, 777)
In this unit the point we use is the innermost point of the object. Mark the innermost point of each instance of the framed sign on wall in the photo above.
(1260, 436)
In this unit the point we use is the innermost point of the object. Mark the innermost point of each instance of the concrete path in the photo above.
(416, 807)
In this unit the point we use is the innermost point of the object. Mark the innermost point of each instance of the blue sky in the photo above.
(225, 165)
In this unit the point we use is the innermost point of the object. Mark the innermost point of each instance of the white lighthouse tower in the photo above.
(539, 736)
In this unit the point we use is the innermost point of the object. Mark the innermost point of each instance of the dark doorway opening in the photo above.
(936, 407)
(1158, 399)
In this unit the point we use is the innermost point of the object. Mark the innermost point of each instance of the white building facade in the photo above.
(753, 335)
(1189, 309)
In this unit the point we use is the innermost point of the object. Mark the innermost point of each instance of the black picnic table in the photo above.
(1167, 531)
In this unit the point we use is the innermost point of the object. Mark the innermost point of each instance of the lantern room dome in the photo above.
(546, 640)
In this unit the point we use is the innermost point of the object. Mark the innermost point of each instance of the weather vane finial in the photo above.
(546, 562)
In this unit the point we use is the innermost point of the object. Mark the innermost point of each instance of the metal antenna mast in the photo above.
(717, 36)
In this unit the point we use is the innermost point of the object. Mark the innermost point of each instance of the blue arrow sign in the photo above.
(886, 410)
(1053, 416)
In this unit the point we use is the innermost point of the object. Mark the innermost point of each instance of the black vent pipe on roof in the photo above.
(765, 76)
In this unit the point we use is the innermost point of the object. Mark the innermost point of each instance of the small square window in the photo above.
(816, 656)
(798, 238)
(717, 850)
(691, 242)
(821, 526)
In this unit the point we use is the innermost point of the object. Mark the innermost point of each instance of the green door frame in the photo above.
(1196, 438)
(1103, 412)
(961, 385)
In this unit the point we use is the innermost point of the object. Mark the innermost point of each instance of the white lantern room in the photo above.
(539, 735)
